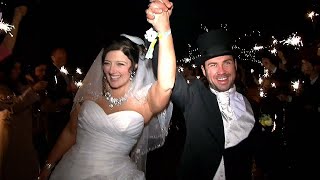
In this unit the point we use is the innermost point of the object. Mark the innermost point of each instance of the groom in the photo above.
(218, 119)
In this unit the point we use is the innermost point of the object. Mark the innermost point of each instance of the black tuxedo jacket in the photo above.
(204, 143)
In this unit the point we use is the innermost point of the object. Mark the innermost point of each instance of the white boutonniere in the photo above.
(151, 35)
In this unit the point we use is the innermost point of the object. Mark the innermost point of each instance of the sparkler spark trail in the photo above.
(312, 14)
(78, 70)
(293, 40)
(295, 85)
(78, 83)
(5, 26)
(64, 70)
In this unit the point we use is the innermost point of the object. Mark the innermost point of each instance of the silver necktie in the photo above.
(224, 101)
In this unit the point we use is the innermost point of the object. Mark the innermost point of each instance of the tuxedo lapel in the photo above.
(214, 119)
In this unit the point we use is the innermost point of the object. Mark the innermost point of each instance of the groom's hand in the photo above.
(167, 3)
(157, 7)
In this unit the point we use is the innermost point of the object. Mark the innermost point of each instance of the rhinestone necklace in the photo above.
(116, 101)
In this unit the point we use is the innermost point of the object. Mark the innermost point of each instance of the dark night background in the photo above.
(82, 27)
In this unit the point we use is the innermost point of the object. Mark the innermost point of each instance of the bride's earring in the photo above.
(132, 74)
(104, 82)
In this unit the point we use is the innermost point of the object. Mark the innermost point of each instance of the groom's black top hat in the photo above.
(214, 43)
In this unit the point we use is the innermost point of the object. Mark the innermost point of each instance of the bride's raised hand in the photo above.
(157, 7)
(160, 14)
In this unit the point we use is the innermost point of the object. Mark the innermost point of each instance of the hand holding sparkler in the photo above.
(20, 11)
(9, 40)
(40, 86)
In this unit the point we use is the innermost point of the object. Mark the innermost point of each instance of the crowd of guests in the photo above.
(39, 102)
(293, 109)
(35, 106)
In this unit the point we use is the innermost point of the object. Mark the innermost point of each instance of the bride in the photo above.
(119, 114)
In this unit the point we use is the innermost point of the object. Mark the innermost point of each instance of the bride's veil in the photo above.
(91, 88)
(155, 132)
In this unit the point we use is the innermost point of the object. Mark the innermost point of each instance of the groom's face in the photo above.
(220, 72)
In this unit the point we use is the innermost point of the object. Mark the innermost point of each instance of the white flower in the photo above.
(151, 35)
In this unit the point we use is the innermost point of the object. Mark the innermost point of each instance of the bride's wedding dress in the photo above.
(103, 145)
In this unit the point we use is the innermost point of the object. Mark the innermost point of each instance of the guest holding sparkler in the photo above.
(19, 159)
(39, 114)
(8, 43)
(60, 94)
(304, 117)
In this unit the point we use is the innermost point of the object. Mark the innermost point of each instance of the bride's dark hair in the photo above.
(130, 49)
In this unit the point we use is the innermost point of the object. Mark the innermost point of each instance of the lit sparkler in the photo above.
(295, 85)
(5, 26)
(293, 40)
(312, 14)
(64, 70)
(78, 70)
(274, 123)
(78, 83)
(260, 80)
(180, 69)
(261, 93)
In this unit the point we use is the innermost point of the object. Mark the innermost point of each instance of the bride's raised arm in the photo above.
(160, 92)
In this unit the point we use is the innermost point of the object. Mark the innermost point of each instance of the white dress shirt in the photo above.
(238, 121)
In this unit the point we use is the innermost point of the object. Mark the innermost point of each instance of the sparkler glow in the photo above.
(64, 70)
(266, 73)
(261, 93)
(78, 83)
(312, 14)
(180, 69)
(293, 40)
(295, 85)
(274, 123)
(5, 26)
(78, 70)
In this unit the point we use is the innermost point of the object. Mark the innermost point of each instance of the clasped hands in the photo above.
(157, 9)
